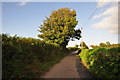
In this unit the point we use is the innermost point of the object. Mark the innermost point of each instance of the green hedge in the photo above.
(103, 62)
(28, 57)
(72, 48)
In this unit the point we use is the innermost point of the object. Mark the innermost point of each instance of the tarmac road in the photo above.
(69, 67)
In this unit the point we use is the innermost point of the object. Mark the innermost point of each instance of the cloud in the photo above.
(108, 20)
(105, 2)
(22, 3)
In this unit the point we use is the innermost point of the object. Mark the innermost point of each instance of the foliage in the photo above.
(102, 44)
(59, 27)
(78, 51)
(94, 46)
(28, 57)
(72, 48)
(105, 45)
(76, 45)
(103, 62)
(108, 44)
(83, 45)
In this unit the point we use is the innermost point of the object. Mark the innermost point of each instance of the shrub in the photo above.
(103, 62)
(72, 48)
(28, 57)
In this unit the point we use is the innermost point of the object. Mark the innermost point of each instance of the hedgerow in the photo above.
(28, 57)
(72, 48)
(103, 62)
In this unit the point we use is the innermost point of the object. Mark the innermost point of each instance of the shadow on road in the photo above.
(83, 72)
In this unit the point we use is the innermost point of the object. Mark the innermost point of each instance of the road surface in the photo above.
(69, 67)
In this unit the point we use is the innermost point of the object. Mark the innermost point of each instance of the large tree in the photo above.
(59, 27)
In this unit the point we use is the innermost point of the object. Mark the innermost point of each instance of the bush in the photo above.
(72, 48)
(103, 62)
(28, 57)
(79, 51)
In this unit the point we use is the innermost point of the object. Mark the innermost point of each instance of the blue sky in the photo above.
(23, 19)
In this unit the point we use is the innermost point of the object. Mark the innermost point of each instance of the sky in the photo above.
(23, 19)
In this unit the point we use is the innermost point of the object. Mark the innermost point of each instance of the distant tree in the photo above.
(83, 45)
(59, 27)
(115, 45)
(102, 44)
(94, 46)
(76, 45)
(118, 44)
(108, 44)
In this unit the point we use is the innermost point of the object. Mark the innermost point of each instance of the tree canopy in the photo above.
(83, 45)
(59, 27)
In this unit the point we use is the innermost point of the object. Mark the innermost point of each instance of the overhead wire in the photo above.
(100, 4)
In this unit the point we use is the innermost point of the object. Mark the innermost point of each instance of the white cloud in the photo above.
(105, 2)
(22, 3)
(109, 20)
